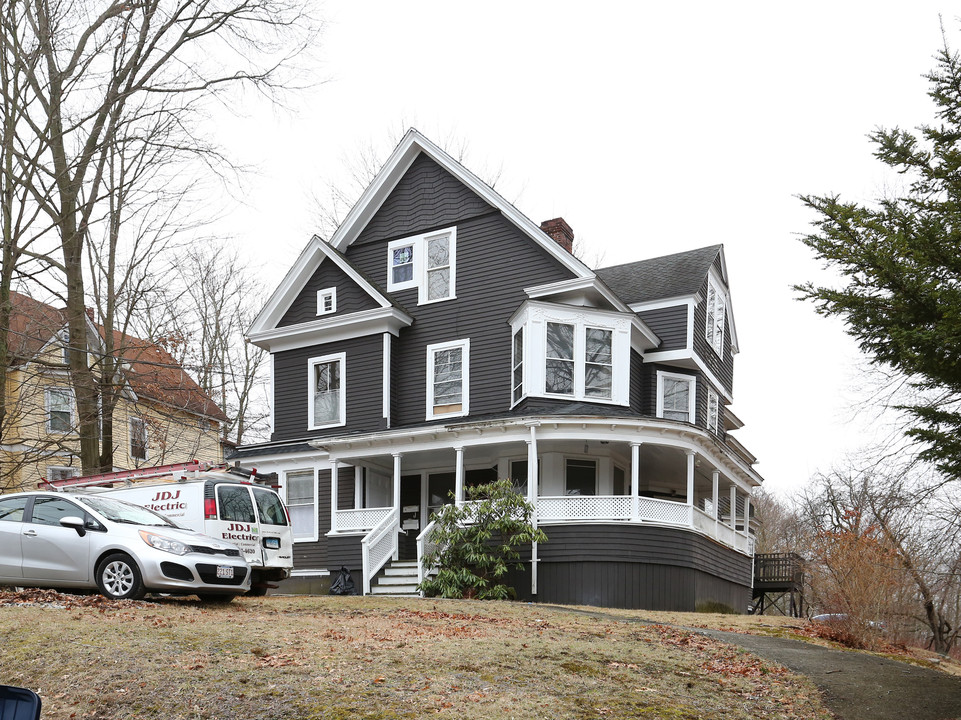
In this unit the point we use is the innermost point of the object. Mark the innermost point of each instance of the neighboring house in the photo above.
(162, 415)
(441, 339)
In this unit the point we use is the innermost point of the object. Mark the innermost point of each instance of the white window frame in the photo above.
(691, 398)
(517, 363)
(342, 411)
(146, 438)
(322, 296)
(418, 245)
(713, 412)
(68, 392)
(580, 362)
(69, 472)
(64, 337)
(313, 503)
(714, 324)
(464, 346)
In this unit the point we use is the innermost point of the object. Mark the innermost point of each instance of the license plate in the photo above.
(272, 543)
(225, 571)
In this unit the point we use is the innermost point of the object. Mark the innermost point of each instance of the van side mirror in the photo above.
(75, 522)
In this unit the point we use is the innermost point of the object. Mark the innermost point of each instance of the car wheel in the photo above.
(118, 578)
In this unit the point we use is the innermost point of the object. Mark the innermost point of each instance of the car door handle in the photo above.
(30, 533)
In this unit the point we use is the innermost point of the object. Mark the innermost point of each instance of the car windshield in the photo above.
(124, 512)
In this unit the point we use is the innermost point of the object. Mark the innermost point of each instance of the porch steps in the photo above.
(396, 579)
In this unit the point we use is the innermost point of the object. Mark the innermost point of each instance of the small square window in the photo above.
(326, 301)
(402, 265)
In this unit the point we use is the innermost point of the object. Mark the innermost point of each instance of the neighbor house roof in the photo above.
(667, 276)
(32, 325)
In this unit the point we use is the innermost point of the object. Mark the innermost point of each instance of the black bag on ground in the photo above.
(343, 584)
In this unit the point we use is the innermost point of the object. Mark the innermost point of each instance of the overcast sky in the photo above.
(651, 130)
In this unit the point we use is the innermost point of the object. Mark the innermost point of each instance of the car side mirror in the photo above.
(75, 522)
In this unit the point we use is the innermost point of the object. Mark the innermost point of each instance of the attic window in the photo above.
(426, 262)
(714, 332)
(327, 301)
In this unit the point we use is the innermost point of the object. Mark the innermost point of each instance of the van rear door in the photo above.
(237, 522)
(274, 529)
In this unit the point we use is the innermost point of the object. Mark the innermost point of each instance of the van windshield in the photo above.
(270, 508)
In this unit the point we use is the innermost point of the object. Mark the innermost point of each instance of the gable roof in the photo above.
(675, 275)
(150, 371)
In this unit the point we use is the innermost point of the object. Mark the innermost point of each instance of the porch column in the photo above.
(635, 481)
(747, 515)
(358, 487)
(715, 496)
(733, 507)
(690, 485)
(397, 457)
(532, 475)
(459, 475)
(333, 495)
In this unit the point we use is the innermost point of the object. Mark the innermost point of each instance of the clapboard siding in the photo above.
(722, 367)
(669, 324)
(362, 381)
(426, 198)
(495, 262)
(346, 551)
(637, 396)
(350, 296)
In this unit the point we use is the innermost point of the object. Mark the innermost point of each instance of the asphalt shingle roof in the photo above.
(661, 277)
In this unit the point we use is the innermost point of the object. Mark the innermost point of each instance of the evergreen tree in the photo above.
(900, 258)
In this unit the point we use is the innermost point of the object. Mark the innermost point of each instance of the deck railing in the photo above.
(364, 519)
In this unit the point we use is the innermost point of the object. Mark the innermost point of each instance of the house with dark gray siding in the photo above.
(441, 339)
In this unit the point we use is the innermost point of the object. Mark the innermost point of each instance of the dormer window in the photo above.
(714, 332)
(426, 262)
(327, 301)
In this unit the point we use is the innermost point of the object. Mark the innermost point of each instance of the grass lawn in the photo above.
(333, 657)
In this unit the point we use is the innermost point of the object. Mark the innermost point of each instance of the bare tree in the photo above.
(87, 72)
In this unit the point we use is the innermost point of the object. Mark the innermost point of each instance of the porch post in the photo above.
(690, 486)
(747, 515)
(333, 495)
(397, 457)
(635, 481)
(358, 487)
(532, 475)
(733, 507)
(459, 475)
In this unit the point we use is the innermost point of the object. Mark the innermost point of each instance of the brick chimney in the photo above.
(560, 231)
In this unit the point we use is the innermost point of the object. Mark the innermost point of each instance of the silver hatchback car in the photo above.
(54, 540)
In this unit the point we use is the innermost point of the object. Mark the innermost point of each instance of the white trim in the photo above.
(332, 329)
(523, 363)
(694, 361)
(568, 286)
(677, 301)
(713, 334)
(340, 358)
(74, 471)
(691, 394)
(713, 418)
(71, 407)
(415, 253)
(322, 296)
(270, 391)
(385, 378)
(464, 346)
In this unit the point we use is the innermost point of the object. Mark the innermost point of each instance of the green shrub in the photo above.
(477, 543)
(712, 606)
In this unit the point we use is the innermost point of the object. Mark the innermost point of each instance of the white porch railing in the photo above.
(584, 507)
(424, 545)
(669, 512)
(364, 519)
(379, 545)
(704, 522)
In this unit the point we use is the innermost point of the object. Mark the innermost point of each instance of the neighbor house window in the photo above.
(326, 301)
(447, 379)
(61, 473)
(559, 378)
(138, 438)
(301, 496)
(426, 262)
(675, 397)
(713, 412)
(64, 337)
(580, 477)
(326, 393)
(59, 410)
(714, 332)
(518, 363)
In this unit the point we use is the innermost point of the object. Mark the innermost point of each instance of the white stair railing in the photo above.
(379, 546)
(424, 545)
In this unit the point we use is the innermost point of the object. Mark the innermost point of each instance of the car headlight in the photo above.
(164, 543)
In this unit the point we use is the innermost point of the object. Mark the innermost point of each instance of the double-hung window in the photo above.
(301, 492)
(598, 363)
(517, 375)
(559, 378)
(59, 410)
(426, 262)
(714, 332)
(675, 397)
(575, 353)
(326, 401)
(448, 379)
(138, 438)
(713, 412)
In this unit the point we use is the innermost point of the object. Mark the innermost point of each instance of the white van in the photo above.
(222, 502)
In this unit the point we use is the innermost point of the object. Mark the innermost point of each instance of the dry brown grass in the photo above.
(331, 657)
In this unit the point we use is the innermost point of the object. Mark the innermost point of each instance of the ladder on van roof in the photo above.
(128, 476)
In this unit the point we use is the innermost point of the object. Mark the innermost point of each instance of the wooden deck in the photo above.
(778, 584)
